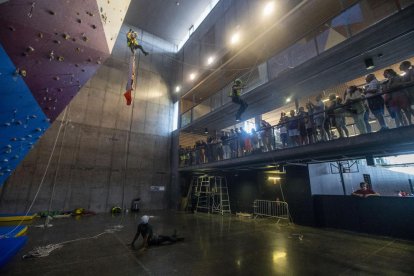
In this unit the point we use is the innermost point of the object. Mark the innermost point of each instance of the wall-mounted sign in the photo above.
(157, 188)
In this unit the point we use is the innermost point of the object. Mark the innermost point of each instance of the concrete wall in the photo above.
(101, 159)
(384, 181)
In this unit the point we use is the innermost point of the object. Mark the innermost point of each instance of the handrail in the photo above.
(219, 151)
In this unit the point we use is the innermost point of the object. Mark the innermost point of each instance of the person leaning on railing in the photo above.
(340, 118)
(353, 98)
(310, 126)
(364, 191)
(293, 129)
(226, 147)
(408, 80)
(397, 99)
(375, 100)
(319, 117)
(301, 115)
(282, 126)
(266, 135)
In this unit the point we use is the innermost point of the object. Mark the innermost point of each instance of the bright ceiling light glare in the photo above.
(235, 38)
(192, 76)
(288, 100)
(210, 60)
(269, 8)
(274, 178)
(177, 88)
(278, 255)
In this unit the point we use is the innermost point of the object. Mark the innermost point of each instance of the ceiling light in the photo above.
(192, 76)
(274, 178)
(235, 38)
(210, 60)
(369, 64)
(177, 88)
(269, 8)
(288, 100)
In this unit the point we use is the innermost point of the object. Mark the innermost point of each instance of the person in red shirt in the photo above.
(364, 191)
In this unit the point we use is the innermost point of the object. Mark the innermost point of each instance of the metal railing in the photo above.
(273, 209)
(309, 130)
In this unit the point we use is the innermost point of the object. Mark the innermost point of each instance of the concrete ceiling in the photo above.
(335, 66)
(271, 40)
(164, 18)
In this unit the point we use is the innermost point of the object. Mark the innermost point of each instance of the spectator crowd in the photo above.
(393, 95)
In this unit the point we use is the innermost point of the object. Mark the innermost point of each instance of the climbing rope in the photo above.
(42, 180)
(44, 251)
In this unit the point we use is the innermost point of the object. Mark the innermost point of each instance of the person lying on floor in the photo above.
(149, 239)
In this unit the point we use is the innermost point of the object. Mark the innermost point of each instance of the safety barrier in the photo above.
(274, 209)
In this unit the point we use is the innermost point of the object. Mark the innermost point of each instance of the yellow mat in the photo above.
(10, 217)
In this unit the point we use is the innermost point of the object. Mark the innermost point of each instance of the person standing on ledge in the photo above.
(364, 191)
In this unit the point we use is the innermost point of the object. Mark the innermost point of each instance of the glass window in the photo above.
(368, 12)
(225, 95)
(278, 64)
(201, 109)
(186, 118)
(302, 51)
(215, 101)
(406, 3)
(332, 32)
(175, 116)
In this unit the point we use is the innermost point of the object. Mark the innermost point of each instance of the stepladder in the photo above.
(212, 194)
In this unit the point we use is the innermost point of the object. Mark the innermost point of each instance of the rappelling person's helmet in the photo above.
(145, 219)
(238, 81)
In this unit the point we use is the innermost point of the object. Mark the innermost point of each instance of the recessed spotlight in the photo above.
(210, 60)
(177, 88)
(369, 63)
(269, 8)
(235, 38)
(193, 76)
(288, 100)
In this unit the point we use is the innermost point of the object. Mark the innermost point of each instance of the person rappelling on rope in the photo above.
(133, 42)
(235, 98)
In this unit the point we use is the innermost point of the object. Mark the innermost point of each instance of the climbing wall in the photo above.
(23, 121)
(48, 51)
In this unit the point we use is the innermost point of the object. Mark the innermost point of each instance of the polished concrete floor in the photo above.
(214, 245)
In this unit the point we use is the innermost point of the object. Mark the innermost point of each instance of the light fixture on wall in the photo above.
(369, 63)
(275, 179)
(206, 131)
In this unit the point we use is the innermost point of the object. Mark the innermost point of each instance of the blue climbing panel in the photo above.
(22, 122)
